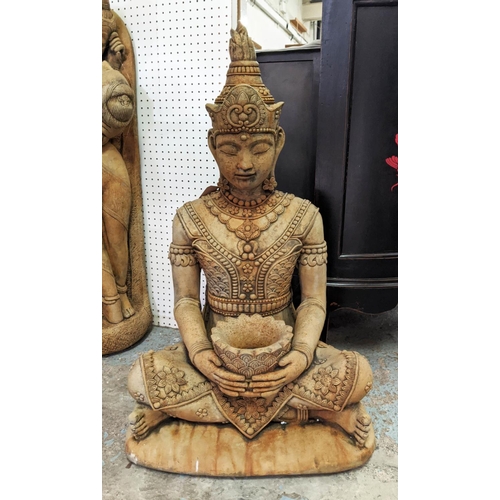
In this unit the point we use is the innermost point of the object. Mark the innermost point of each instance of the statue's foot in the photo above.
(355, 421)
(113, 312)
(126, 306)
(143, 420)
(362, 431)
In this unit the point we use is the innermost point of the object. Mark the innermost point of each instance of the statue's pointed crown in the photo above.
(245, 103)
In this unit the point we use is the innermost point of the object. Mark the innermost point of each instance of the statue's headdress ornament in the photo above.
(245, 104)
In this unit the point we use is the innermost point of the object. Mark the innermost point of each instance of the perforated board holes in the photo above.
(181, 56)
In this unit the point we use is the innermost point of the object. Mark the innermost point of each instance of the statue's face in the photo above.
(244, 159)
(117, 102)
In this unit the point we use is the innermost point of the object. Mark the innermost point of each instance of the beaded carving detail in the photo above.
(182, 255)
(220, 204)
(313, 255)
(248, 222)
(251, 415)
(244, 280)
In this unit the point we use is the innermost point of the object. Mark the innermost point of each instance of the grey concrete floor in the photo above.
(374, 336)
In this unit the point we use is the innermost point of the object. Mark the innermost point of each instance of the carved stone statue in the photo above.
(250, 390)
(125, 303)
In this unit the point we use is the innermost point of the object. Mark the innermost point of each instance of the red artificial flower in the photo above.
(393, 162)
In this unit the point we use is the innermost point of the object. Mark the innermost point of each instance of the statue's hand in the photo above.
(293, 365)
(116, 53)
(210, 365)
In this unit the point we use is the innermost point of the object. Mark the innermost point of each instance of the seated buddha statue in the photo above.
(248, 238)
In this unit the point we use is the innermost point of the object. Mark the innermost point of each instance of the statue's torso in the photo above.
(248, 253)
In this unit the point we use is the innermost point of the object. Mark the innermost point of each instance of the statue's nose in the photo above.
(244, 163)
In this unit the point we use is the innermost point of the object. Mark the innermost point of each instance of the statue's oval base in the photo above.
(118, 337)
(220, 450)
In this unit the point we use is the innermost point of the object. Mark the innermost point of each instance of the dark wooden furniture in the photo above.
(357, 125)
(292, 76)
(340, 130)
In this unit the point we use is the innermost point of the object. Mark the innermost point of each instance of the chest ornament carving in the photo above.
(248, 222)
(252, 276)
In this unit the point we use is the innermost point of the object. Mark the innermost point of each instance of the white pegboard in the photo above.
(181, 54)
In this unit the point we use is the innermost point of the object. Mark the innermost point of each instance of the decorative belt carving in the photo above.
(234, 307)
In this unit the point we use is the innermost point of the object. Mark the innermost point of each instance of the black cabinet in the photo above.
(357, 127)
(292, 76)
(341, 121)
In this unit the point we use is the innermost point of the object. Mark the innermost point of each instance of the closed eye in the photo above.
(261, 149)
(228, 150)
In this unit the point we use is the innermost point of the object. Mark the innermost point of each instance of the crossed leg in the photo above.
(143, 418)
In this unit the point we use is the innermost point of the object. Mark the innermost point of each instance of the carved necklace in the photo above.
(247, 222)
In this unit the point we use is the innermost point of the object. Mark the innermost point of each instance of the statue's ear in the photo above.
(211, 141)
(280, 140)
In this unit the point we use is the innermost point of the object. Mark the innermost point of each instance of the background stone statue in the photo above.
(125, 304)
(250, 390)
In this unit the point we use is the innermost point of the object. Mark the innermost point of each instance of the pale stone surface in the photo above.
(248, 238)
(220, 450)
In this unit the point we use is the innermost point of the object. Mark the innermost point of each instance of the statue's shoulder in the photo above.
(298, 203)
(304, 215)
(193, 214)
(192, 204)
(305, 201)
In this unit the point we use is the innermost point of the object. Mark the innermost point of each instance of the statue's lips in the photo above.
(244, 176)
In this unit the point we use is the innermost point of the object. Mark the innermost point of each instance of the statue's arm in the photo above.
(311, 312)
(186, 278)
(187, 313)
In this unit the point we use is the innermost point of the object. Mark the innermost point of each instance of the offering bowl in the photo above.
(250, 345)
